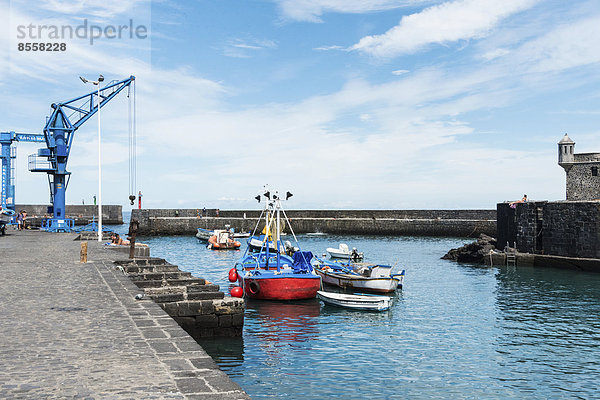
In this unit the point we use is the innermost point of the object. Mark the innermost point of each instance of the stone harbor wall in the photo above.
(461, 223)
(561, 228)
(82, 214)
(197, 305)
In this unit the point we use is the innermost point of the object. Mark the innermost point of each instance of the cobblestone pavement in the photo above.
(72, 330)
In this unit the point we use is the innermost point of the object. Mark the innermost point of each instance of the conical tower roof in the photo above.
(566, 140)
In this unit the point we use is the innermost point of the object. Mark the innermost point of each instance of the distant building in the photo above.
(583, 181)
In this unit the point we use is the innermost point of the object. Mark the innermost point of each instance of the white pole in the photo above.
(99, 171)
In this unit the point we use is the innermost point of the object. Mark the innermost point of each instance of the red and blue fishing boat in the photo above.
(276, 271)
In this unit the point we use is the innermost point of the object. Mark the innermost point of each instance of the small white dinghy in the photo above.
(355, 301)
(344, 252)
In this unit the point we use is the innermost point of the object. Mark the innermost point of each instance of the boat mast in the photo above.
(278, 207)
(266, 241)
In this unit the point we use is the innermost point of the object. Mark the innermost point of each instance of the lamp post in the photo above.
(97, 83)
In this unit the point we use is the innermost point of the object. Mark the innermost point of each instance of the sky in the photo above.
(348, 104)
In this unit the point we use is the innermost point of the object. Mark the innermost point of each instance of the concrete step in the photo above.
(142, 269)
(186, 282)
(151, 276)
(167, 297)
(202, 288)
(142, 261)
(169, 282)
(205, 295)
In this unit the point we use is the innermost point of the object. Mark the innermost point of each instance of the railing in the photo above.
(37, 163)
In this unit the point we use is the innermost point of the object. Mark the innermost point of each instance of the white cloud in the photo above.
(496, 53)
(311, 10)
(327, 48)
(399, 72)
(569, 45)
(239, 48)
(441, 24)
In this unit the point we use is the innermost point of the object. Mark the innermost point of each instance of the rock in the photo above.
(472, 252)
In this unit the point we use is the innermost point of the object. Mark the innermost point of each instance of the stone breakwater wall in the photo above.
(82, 214)
(557, 228)
(461, 223)
(197, 305)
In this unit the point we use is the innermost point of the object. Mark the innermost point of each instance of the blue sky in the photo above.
(348, 104)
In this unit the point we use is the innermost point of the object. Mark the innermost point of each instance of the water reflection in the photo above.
(549, 318)
(284, 322)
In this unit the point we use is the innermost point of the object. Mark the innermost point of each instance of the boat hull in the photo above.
(335, 253)
(356, 302)
(204, 234)
(360, 283)
(281, 287)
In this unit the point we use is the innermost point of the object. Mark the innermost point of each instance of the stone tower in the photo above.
(583, 181)
(566, 149)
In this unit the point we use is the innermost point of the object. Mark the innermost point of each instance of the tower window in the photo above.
(594, 171)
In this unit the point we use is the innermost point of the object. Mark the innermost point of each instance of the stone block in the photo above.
(184, 282)
(204, 363)
(187, 323)
(205, 295)
(202, 288)
(208, 307)
(170, 308)
(205, 332)
(237, 319)
(224, 321)
(167, 297)
(207, 321)
(148, 284)
(190, 308)
(229, 305)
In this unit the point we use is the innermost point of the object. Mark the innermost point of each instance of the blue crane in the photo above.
(58, 136)
(7, 196)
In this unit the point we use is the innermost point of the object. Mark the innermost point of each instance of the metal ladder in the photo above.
(511, 255)
(511, 260)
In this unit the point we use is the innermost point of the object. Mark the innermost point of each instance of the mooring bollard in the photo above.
(83, 253)
(134, 225)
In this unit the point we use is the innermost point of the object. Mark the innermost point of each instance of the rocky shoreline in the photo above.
(472, 252)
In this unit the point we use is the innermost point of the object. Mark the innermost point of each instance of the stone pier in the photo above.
(73, 330)
(458, 223)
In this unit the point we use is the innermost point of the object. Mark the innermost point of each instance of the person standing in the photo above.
(24, 219)
(20, 220)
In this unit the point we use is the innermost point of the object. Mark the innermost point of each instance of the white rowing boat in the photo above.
(344, 252)
(355, 301)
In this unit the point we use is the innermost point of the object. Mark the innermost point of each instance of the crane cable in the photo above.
(132, 143)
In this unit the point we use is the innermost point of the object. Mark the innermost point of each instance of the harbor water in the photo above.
(453, 331)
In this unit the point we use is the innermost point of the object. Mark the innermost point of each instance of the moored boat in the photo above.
(221, 240)
(361, 277)
(355, 301)
(204, 234)
(259, 243)
(345, 253)
(270, 274)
